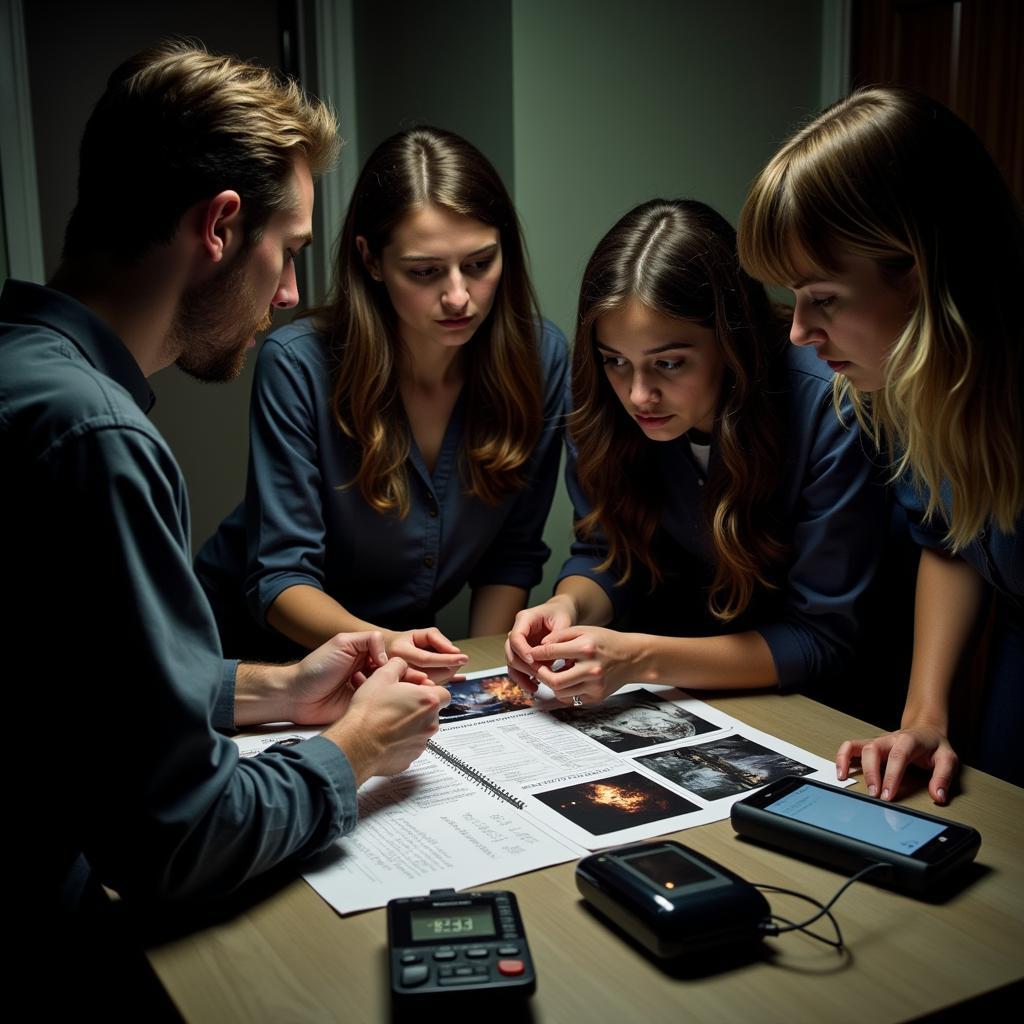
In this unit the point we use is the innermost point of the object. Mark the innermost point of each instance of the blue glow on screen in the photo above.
(887, 827)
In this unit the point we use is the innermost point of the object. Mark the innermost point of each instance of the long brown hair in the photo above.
(678, 258)
(893, 176)
(410, 170)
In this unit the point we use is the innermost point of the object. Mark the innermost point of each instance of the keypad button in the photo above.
(511, 968)
(464, 971)
(444, 954)
(472, 979)
(477, 953)
(414, 975)
(412, 958)
(508, 951)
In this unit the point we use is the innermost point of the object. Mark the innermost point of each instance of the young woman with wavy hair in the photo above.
(905, 252)
(719, 503)
(405, 436)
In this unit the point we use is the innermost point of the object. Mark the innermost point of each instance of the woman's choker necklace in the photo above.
(695, 436)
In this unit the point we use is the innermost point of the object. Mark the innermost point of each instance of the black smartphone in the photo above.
(849, 831)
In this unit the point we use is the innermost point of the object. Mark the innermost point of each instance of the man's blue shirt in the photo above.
(113, 657)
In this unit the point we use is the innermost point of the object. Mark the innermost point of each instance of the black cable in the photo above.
(769, 928)
(836, 943)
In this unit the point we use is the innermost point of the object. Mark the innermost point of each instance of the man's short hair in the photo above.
(178, 124)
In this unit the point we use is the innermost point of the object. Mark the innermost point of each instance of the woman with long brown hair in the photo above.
(905, 251)
(719, 503)
(405, 437)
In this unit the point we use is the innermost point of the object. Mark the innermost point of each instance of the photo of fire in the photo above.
(722, 767)
(614, 803)
(477, 698)
(636, 719)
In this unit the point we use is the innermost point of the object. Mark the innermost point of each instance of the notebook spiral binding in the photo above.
(478, 777)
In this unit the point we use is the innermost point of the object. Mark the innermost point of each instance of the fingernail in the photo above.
(839, 773)
(528, 658)
(885, 794)
(941, 794)
(383, 659)
(872, 790)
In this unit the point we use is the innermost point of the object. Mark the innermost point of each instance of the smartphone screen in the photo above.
(887, 827)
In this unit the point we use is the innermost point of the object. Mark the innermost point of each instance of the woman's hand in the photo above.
(597, 661)
(428, 650)
(532, 627)
(922, 745)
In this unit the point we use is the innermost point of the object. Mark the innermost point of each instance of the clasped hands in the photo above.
(586, 662)
(379, 710)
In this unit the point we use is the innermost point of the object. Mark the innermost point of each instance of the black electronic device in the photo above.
(671, 899)
(458, 945)
(848, 831)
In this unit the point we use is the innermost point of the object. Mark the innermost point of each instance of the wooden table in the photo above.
(292, 958)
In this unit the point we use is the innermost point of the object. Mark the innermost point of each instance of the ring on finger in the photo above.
(577, 701)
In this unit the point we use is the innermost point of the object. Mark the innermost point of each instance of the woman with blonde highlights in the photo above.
(905, 252)
(405, 437)
(718, 500)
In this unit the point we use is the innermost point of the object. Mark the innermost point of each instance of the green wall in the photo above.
(446, 63)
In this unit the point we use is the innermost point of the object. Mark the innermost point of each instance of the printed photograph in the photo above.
(477, 698)
(631, 720)
(722, 767)
(614, 803)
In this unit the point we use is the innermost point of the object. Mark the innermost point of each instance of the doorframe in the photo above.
(22, 227)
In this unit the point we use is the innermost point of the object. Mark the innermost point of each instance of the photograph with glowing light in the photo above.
(636, 719)
(479, 698)
(614, 803)
(722, 767)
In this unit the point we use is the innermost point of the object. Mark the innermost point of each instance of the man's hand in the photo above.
(388, 722)
(316, 690)
(324, 682)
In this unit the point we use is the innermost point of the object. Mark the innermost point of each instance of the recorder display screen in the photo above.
(887, 827)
